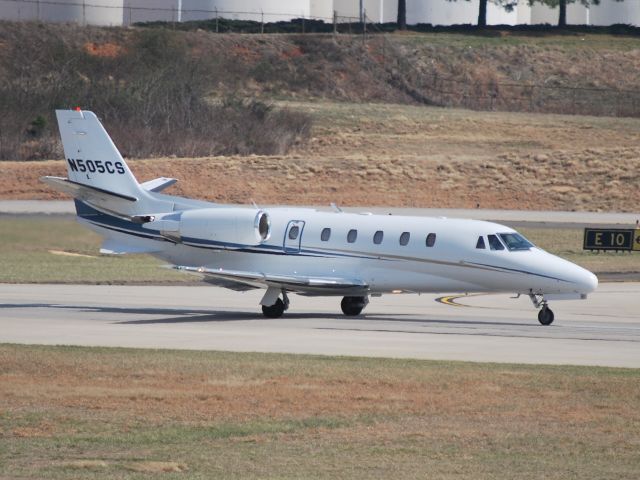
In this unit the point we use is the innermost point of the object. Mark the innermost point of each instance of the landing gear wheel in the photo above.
(353, 305)
(545, 316)
(274, 311)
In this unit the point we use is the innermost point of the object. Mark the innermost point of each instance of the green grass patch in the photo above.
(76, 412)
(27, 243)
(36, 250)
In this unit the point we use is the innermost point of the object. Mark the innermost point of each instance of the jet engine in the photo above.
(226, 227)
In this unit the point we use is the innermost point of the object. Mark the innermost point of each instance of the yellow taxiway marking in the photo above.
(70, 254)
(451, 300)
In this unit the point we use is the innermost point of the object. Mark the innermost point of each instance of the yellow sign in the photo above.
(636, 239)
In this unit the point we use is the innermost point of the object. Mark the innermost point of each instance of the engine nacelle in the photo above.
(231, 227)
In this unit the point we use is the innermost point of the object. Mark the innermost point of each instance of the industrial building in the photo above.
(435, 12)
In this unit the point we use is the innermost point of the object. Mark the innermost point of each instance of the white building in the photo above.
(378, 11)
(434, 12)
(94, 12)
(150, 11)
(610, 12)
(256, 10)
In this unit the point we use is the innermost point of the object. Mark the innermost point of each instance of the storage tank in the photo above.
(577, 14)
(135, 11)
(461, 12)
(18, 11)
(270, 10)
(88, 12)
(378, 11)
(610, 12)
(321, 10)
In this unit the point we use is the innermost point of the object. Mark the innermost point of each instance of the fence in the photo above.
(438, 90)
(423, 86)
(123, 12)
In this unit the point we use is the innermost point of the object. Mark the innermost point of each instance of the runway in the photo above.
(602, 330)
(514, 218)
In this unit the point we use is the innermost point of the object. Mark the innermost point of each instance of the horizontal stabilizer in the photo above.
(85, 192)
(158, 184)
(114, 247)
(327, 285)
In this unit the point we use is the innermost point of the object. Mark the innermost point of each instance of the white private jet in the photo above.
(301, 250)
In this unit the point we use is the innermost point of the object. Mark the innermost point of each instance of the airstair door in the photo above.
(293, 236)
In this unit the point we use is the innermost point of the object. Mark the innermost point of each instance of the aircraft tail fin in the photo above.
(92, 158)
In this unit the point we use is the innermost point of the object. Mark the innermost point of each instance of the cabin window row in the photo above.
(404, 238)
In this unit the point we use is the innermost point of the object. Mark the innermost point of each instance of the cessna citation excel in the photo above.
(301, 250)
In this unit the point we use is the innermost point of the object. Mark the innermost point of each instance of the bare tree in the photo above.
(402, 14)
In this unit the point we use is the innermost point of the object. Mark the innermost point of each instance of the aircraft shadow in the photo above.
(186, 315)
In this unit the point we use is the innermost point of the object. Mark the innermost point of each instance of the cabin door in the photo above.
(293, 236)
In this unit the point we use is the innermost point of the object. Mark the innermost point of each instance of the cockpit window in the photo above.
(480, 243)
(494, 243)
(515, 241)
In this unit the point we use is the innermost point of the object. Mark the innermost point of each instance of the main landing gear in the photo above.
(278, 308)
(545, 315)
(352, 306)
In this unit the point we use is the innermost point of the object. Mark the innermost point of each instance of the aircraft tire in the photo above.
(545, 316)
(353, 306)
(274, 311)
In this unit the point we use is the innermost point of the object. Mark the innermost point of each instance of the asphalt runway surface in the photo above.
(602, 330)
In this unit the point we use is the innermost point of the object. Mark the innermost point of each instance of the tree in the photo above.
(402, 14)
(482, 13)
(508, 5)
(562, 7)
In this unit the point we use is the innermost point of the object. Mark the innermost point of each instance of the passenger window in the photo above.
(377, 237)
(293, 232)
(494, 243)
(404, 238)
(352, 235)
(480, 243)
(431, 240)
(325, 235)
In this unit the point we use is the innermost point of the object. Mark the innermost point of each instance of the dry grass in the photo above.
(228, 415)
(397, 155)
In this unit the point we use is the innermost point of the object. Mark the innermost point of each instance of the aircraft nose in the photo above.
(584, 280)
(589, 281)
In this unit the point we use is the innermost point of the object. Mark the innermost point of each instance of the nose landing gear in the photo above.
(545, 315)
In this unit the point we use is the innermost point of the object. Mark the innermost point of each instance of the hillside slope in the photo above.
(398, 155)
(44, 66)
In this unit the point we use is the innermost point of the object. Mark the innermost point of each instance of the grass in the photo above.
(27, 242)
(542, 40)
(71, 412)
(567, 243)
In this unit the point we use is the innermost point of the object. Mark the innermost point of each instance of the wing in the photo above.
(297, 283)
